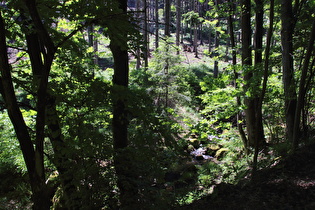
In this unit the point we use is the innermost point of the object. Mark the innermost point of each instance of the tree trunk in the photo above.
(120, 121)
(247, 67)
(138, 50)
(209, 41)
(40, 197)
(216, 54)
(167, 9)
(302, 88)
(288, 26)
(145, 34)
(195, 25)
(156, 24)
(258, 38)
(178, 23)
(236, 76)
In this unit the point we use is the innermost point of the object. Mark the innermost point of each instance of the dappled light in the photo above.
(150, 104)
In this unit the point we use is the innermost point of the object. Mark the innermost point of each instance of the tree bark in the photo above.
(287, 30)
(248, 71)
(167, 9)
(302, 89)
(120, 121)
(157, 24)
(40, 197)
(195, 25)
(236, 76)
(216, 54)
(178, 24)
(145, 34)
(258, 41)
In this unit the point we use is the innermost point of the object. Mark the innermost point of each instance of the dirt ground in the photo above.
(290, 184)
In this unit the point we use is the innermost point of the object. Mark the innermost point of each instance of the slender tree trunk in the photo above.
(145, 34)
(247, 67)
(178, 23)
(210, 40)
(267, 53)
(195, 25)
(167, 9)
(288, 26)
(92, 43)
(216, 54)
(138, 53)
(258, 38)
(40, 196)
(302, 88)
(156, 24)
(236, 76)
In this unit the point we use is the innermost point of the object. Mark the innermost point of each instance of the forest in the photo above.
(157, 104)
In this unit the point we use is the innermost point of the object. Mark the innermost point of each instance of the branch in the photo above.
(73, 33)
(86, 24)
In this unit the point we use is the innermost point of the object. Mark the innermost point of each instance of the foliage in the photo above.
(219, 98)
(14, 191)
(165, 80)
(192, 18)
(166, 104)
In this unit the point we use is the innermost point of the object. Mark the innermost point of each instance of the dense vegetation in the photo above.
(153, 104)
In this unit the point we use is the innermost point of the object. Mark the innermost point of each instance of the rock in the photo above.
(219, 154)
(194, 142)
(207, 157)
(190, 148)
(212, 149)
(198, 152)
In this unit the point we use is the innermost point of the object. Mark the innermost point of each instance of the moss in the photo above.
(213, 147)
(220, 153)
(194, 142)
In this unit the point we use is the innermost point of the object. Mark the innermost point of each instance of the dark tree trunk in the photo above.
(258, 40)
(247, 67)
(120, 78)
(120, 121)
(178, 23)
(195, 28)
(287, 66)
(145, 34)
(40, 196)
(236, 75)
(167, 9)
(138, 51)
(216, 54)
(302, 88)
(156, 24)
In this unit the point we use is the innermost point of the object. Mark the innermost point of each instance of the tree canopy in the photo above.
(149, 104)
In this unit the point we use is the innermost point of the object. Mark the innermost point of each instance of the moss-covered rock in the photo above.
(193, 141)
(221, 152)
(212, 149)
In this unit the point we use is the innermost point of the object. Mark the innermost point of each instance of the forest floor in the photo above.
(289, 184)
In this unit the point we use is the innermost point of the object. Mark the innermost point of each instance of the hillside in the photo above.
(289, 184)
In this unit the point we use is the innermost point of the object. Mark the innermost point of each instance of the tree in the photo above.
(167, 11)
(39, 26)
(287, 31)
(119, 48)
(247, 63)
(303, 88)
(195, 26)
(34, 157)
(156, 24)
(216, 46)
(178, 23)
